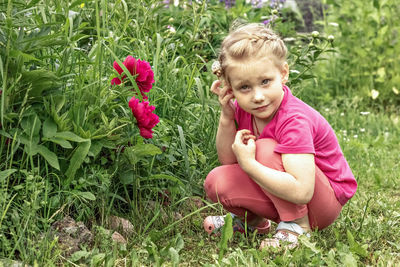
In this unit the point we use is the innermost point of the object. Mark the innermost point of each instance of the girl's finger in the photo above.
(248, 137)
(214, 87)
(225, 99)
(240, 134)
(226, 90)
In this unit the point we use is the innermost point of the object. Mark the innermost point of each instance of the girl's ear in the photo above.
(285, 72)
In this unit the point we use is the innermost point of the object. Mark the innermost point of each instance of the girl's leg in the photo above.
(239, 194)
(323, 208)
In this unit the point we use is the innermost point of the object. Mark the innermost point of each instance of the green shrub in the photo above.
(367, 38)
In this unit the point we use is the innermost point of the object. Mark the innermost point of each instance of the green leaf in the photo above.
(6, 173)
(49, 128)
(126, 177)
(306, 242)
(349, 260)
(70, 137)
(95, 149)
(31, 125)
(174, 256)
(59, 141)
(85, 195)
(136, 153)
(49, 156)
(79, 255)
(3, 133)
(355, 247)
(146, 150)
(227, 233)
(98, 258)
(40, 80)
(30, 148)
(77, 159)
(376, 4)
(27, 57)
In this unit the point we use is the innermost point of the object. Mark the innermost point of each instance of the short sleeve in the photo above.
(242, 118)
(295, 136)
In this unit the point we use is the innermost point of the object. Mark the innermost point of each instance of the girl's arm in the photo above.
(296, 185)
(224, 140)
(226, 127)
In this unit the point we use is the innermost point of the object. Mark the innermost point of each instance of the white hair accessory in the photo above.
(216, 68)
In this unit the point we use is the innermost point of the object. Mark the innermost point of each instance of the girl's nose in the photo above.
(258, 96)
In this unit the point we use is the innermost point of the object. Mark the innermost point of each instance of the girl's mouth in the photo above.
(262, 108)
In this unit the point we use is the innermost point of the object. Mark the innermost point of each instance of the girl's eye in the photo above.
(265, 81)
(244, 87)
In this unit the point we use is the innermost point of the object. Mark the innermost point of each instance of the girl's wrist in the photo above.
(224, 120)
(248, 164)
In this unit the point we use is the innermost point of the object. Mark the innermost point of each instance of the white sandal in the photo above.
(287, 232)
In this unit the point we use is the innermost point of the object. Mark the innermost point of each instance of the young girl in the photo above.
(281, 160)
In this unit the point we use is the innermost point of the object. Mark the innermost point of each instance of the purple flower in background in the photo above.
(267, 21)
(228, 3)
(257, 3)
(278, 4)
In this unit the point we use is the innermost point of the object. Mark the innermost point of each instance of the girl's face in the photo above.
(257, 85)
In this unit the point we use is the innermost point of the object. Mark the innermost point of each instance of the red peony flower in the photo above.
(142, 69)
(144, 115)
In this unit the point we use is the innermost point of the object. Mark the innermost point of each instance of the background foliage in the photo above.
(69, 144)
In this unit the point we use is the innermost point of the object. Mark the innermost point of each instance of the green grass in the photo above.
(69, 145)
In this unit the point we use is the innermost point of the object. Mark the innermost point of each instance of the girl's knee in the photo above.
(215, 184)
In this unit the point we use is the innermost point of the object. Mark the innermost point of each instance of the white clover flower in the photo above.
(374, 94)
(327, 109)
(362, 130)
(395, 91)
(355, 136)
(334, 24)
(365, 113)
(342, 114)
(171, 29)
(331, 38)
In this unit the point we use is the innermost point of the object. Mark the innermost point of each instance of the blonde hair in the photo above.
(247, 41)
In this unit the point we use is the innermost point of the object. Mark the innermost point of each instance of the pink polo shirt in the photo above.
(300, 129)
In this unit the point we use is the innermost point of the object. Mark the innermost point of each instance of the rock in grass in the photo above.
(71, 235)
(117, 237)
(120, 224)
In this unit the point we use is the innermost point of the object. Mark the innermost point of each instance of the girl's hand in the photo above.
(244, 147)
(225, 96)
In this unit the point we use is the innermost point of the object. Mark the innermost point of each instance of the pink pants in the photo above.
(238, 193)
